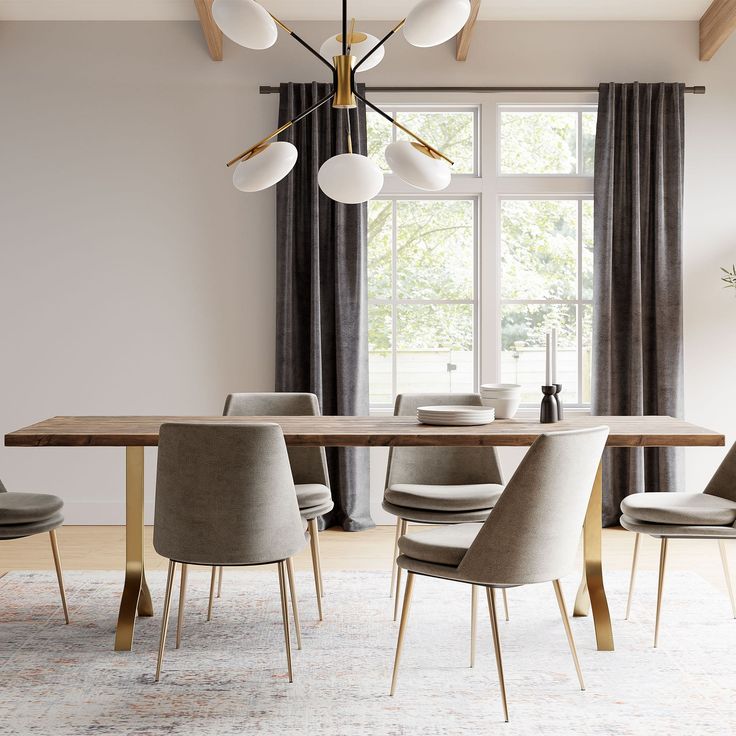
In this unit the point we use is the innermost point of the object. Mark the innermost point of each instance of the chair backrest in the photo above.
(533, 532)
(308, 464)
(723, 482)
(440, 465)
(224, 495)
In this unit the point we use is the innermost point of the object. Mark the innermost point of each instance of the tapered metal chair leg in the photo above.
(397, 600)
(165, 617)
(212, 594)
(285, 616)
(219, 581)
(59, 575)
(394, 566)
(313, 542)
(505, 603)
(319, 559)
(662, 564)
(491, 595)
(568, 631)
(473, 622)
(402, 629)
(182, 600)
(632, 579)
(294, 603)
(727, 573)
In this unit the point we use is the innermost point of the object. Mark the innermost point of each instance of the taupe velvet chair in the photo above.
(663, 515)
(531, 537)
(225, 496)
(439, 485)
(26, 514)
(308, 466)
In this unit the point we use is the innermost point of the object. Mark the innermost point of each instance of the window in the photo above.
(422, 254)
(546, 246)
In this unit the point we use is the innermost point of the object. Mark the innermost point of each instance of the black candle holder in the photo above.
(560, 413)
(548, 409)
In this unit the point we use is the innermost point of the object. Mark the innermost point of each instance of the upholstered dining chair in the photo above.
(665, 515)
(308, 466)
(531, 537)
(225, 496)
(26, 514)
(439, 485)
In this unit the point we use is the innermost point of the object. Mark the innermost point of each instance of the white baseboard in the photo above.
(89, 513)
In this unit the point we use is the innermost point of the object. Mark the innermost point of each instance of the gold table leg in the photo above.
(591, 592)
(136, 596)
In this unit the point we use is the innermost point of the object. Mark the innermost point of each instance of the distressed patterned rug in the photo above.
(229, 677)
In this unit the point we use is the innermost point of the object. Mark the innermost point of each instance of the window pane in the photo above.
(539, 247)
(586, 266)
(434, 347)
(379, 354)
(435, 248)
(452, 132)
(539, 143)
(523, 330)
(589, 122)
(380, 231)
(379, 136)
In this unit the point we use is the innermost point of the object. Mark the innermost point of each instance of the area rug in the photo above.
(229, 677)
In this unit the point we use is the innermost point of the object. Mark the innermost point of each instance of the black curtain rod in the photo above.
(266, 90)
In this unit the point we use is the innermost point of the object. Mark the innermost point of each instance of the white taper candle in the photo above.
(548, 360)
(554, 355)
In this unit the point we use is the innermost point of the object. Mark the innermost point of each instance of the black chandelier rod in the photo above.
(265, 89)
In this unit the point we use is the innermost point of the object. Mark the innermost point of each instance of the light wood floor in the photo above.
(103, 548)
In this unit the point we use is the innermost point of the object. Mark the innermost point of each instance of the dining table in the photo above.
(134, 433)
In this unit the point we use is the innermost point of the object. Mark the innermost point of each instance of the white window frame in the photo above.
(489, 187)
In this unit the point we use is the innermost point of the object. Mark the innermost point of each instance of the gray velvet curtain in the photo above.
(321, 319)
(637, 293)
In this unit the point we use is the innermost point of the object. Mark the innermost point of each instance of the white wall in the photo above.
(135, 279)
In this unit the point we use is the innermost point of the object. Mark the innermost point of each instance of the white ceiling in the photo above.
(362, 9)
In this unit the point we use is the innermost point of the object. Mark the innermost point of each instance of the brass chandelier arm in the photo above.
(394, 30)
(284, 127)
(404, 128)
(298, 38)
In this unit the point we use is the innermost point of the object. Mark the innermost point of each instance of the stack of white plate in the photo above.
(503, 397)
(455, 416)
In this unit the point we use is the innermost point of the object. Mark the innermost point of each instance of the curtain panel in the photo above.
(637, 293)
(321, 314)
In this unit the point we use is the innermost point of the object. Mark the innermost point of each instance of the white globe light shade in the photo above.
(332, 47)
(350, 178)
(416, 168)
(245, 22)
(266, 168)
(432, 22)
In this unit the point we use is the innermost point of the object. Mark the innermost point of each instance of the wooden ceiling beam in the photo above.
(212, 34)
(716, 25)
(465, 36)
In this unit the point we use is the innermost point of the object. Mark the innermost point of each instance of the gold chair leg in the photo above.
(491, 595)
(285, 616)
(632, 579)
(404, 526)
(473, 622)
(182, 600)
(727, 573)
(59, 575)
(568, 631)
(505, 603)
(662, 563)
(402, 628)
(165, 619)
(319, 559)
(219, 581)
(212, 593)
(394, 566)
(294, 604)
(314, 548)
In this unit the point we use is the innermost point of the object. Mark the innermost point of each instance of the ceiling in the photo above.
(362, 9)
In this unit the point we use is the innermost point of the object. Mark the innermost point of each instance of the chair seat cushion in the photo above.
(423, 516)
(678, 531)
(312, 494)
(25, 508)
(680, 508)
(18, 531)
(444, 545)
(472, 497)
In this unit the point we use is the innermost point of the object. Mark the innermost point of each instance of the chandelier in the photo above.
(348, 177)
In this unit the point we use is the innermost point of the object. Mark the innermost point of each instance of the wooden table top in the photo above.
(376, 431)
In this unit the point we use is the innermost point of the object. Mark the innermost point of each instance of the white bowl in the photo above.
(496, 389)
(505, 406)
